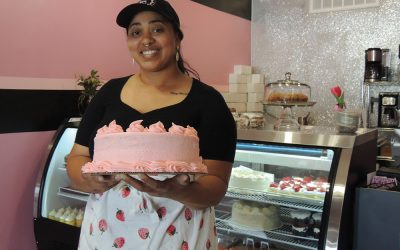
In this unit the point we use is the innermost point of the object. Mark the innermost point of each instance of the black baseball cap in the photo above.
(162, 7)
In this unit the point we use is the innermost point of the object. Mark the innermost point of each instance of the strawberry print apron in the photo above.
(124, 218)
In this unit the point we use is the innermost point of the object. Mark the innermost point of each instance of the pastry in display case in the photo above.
(256, 119)
(250, 215)
(246, 180)
(281, 190)
(249, 119)
(287, 93)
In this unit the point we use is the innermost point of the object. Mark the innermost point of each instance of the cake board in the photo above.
(246, 228)
(160, 176)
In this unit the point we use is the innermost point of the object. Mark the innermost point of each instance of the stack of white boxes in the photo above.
(246, 90)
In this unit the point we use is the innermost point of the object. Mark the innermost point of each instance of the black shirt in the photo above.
(203, 108)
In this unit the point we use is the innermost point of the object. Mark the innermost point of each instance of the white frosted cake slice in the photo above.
(246, 180)
(255, 215)
(307, 187)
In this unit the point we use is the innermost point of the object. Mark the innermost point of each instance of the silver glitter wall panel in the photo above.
(323, 49)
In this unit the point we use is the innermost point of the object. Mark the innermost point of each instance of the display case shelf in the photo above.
(73, 194)
(290, 201)
(283, 235)
(292, 161)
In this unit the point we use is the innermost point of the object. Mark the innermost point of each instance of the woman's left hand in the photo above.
(166, 188)
(205, 191)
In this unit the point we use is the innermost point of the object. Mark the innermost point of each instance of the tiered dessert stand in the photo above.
(286, 121)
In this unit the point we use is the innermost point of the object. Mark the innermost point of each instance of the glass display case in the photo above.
(306, 179)
(58, 209)
(289, 189)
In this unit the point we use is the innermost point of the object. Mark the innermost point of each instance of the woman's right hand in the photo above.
(99, 183)
(90, 183)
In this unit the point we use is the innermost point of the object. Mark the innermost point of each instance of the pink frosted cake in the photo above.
(150, 150)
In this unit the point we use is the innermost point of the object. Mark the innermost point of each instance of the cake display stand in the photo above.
(286, 121)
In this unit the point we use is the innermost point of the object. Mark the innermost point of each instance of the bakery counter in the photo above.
(295, 190)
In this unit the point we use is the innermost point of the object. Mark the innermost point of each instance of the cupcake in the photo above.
(300, 218)
(59, 213)
(299, 231)
(70, 219)
(52, 214)
(316, 218)
(64, 216)
(79, 219)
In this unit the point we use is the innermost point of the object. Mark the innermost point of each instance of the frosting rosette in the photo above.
(136, 126)
(176, 129)
(144, 167)
(157, 128)
(190, 131)
(112, 128)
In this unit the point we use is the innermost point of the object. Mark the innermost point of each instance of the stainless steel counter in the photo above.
(309, 135)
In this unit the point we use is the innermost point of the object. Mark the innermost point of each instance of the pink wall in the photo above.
(21, 155)
(44, 44)
(214, 41)
(59, 39)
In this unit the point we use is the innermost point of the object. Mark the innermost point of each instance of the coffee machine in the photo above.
(373, 65)
(389, 107)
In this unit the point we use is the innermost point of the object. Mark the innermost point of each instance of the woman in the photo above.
(151, 214)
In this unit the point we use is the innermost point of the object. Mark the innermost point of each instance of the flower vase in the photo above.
(347, 121)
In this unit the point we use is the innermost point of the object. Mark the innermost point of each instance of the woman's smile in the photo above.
(149, 53)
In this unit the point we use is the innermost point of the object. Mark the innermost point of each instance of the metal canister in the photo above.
(373, 65)
(385, 65)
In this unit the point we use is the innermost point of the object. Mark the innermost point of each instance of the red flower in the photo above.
(339, 95)
(336, 91)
